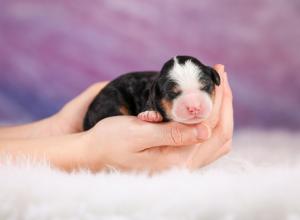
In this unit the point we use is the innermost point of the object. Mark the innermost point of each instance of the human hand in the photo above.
(139, 145)
(70, 118)
(129, 144)
(126, 143)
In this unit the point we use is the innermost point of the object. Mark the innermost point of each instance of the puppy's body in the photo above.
(126, 95)
(182, 91)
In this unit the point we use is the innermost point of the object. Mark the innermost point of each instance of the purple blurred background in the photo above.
(51, 50)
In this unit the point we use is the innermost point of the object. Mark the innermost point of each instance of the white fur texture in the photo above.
(186, 75)
(260, 179)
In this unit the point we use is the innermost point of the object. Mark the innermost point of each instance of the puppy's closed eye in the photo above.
(172, 95)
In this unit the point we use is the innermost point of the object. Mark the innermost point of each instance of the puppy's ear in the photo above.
(167, 66)
(215, 76)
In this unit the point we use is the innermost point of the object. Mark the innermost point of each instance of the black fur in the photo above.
(141, 91)
(129, 90)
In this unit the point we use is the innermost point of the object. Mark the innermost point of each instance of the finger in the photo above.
(172, 133)
(226, 127)
(228, 90)
(165, 157)
(88, 94)
(84, 99)
(221, 152)
(214, 116)
(221, 134)
(219, 68)
(74, 111)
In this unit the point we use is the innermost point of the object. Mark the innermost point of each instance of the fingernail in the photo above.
(222, 67)
(203, 131)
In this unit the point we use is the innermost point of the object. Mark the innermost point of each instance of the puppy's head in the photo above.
(185, 89)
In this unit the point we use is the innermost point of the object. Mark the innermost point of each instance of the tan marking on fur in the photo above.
(167, 106)
(124, 110)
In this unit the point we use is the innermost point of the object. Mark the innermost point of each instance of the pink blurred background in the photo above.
(51, 50)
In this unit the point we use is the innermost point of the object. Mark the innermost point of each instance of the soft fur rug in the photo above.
(260, 179)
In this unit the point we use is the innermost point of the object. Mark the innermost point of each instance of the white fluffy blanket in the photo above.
(260, 179)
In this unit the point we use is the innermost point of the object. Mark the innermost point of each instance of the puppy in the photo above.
(182, 91)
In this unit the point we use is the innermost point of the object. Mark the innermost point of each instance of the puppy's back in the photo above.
(126, 95)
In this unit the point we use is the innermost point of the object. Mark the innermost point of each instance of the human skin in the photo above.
(123, 142)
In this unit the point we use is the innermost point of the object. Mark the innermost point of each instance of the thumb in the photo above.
(174, 134)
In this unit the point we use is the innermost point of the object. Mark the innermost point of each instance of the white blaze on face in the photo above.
(193, 105)
(187, 75)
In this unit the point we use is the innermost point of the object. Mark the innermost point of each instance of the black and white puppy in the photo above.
(182, 91)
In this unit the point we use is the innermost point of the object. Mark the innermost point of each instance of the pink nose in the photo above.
(194, 110)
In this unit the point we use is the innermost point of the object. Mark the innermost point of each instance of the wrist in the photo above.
(78, 152)
(48, 127)
(91, 150)
(66, 152)
(57, 125)
(39, 129)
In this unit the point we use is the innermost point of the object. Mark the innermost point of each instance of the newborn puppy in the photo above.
(182, 91)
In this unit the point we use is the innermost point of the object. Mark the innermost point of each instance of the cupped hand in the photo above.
(127, 143)
(123, 142)
(70, 118)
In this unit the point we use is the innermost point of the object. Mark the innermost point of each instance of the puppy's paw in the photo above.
(150, 116)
